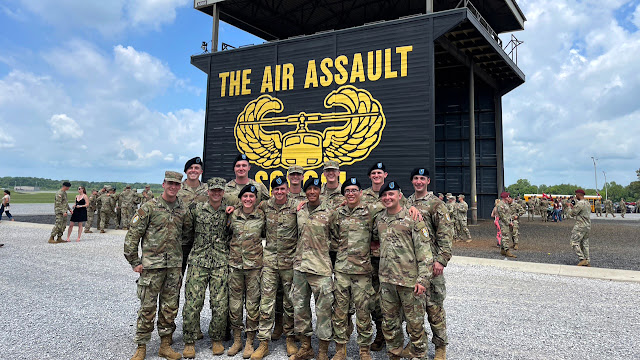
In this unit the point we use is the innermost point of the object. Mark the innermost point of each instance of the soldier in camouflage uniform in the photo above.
(127, 197)
(245, 266)
(505, 219)
(192, 191)
(608, 208)
(352, 227)
(91, 210)
(61, 208)
(118, 207)
(241, 168)
(434, 214)
(452, 208)
(146, 194)
(277, 271)
(108, 204)
(295, 174)
(580, 233)
(517, 210)
(461, 217)
(623, 207)
(208, 267)
(99, 206)
(530, 209)
(330, 191)
(313, 273)
(598, 206)
(406, 265)
(377, 174)
(159, 227)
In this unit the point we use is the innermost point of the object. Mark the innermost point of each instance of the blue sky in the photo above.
(105, 91)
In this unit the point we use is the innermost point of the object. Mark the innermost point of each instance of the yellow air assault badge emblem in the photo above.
(351, 137)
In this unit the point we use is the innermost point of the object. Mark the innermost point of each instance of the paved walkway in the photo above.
(77, 301)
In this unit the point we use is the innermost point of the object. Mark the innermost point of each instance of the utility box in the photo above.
(395, 92)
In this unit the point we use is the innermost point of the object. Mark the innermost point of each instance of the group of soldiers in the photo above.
(372, 253)
(109, 205)
(543, 207)
(508, 212)
(458, 213)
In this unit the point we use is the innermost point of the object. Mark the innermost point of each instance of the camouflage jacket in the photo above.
(370, 196)
(245, 247)
(516, 210)
(505, 215)
(190, 196)
(435, 216)
(210, 236)
(405, 253)
(107, 202)
(146, 196)
(376, 207)
(452, 209)
(301, 196)
(232, 189)
(312, 253)
(93, 202)
(61, 204)
(608, 204)
(352, 229)
(161, 228)
(582, 212)
(127, 198)
(462, 208)
(332, 197)
(281, 233)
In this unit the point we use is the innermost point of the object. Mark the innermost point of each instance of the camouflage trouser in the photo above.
(505, 228)
(530, 214)
(359, 290)
(609, 210)
(107, 216)
(195, 289)
(98, 219)
(515, 232)
(457, 231)
(157, 286)
(435, 311)
(580, 243)
(127, 214)
(272, 279)
(376, 310)
(598, 210)
(61, 223)
(464, 229)
(118, 217)
(244, 283)
(304, 284)
(395, 301)
(90, 215)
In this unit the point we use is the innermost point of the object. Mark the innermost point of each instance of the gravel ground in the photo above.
(77, 301)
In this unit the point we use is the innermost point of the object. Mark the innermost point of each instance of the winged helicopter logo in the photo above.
(351, 137)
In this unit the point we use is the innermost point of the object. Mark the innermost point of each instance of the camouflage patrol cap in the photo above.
(172, 176)
(147, 186)
(108, 187)
(295, 169)
(216, 183)
(331, 164)
(449, 195)
(127, 186)
(440, 195)
(105, 186)
(461, 196)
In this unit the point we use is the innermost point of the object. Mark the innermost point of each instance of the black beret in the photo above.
(248, 188)
(419, 171)
(350, 182)
(66, 183)
(240, 157)
(312, 181)
(376, 166)
(391, 185)
(195, 160)
(278, 181)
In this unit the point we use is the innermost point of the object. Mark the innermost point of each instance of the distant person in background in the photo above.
(580, 233)
(61, 207)
(598, 206)
(623, 207)
(91, 210)
(4, 208)
(496, 221)
(147, 194)
(79, 212)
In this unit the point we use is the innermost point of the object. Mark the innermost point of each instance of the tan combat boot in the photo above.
(102, 231)
(364, 353)
(502, 252)
(51, 240)
(582, 262)
(261, 351)
(189, 351)
(323, 350)
(88, 232)
(378, 342)
(306, 351)
(166, 351)
(441, 353)
(515, 247)
(341, 352)
(277, 329)
(291, 345)
(248, 345)
(509, 254)
(60, 240)
(141, 352)
(217, 348)
(237, 343)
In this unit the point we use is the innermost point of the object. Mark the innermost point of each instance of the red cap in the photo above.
(580, 191)
(504, 195)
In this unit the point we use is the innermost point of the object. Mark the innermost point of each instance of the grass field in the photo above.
(35, 198)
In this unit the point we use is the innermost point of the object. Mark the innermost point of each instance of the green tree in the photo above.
(521, 187)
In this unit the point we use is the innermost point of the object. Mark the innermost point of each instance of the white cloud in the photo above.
(635, 19)
(64, 128)
(6, 141)
(154, 13)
